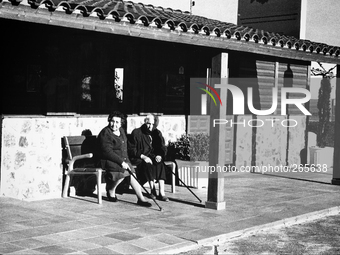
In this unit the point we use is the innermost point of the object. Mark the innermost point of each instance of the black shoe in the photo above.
(153, 194)
(143, 203)
(163, 198)
(85, 193)
(111, 199)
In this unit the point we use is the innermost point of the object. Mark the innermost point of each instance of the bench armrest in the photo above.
(75, 158)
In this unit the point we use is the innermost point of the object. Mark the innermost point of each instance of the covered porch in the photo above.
(63, 80)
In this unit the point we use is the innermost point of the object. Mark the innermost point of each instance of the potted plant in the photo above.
(191, 154)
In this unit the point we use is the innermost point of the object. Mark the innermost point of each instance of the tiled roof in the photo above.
(166, 18)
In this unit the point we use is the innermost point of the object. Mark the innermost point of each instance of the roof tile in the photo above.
(167, 18)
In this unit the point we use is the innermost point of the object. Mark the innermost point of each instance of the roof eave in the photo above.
(77, 21)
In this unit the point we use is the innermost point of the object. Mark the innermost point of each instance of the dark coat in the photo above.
(158, 143)
(112, 150)
(140, 143)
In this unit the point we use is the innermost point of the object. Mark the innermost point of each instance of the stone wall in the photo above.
(270, 141)
(296, 140)
(243, 143)
(31, 150)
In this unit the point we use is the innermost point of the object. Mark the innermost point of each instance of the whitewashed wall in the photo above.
(31, 150)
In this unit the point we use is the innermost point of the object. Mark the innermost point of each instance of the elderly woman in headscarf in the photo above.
(147, 150)
(112, 156)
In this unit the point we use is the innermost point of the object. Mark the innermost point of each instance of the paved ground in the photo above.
(319, 237)
(78, 225)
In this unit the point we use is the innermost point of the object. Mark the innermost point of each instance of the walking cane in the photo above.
(188, 188)
(185, 185)
(131, 173)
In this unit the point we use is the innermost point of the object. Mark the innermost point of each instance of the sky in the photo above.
(223, 10)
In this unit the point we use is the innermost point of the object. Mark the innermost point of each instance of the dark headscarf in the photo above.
(145, 129)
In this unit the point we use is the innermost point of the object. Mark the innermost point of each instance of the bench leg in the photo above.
(66, 186)
(99, 191)
(173, 181)
(173, 170)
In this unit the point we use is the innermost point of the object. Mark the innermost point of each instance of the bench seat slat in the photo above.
(86, 170)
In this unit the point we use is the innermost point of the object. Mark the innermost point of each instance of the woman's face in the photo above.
(115, 123)
(150, 122)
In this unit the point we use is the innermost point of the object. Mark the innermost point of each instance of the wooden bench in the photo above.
(77, 159)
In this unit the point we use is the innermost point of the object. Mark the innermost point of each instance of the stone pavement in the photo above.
(78, 225)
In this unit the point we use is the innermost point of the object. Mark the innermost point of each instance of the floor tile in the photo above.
(77, 253)
(169, 239)
(79, 245)
(78, 234)
(6, 227)
(126, 248)
(51, 239)
(29, 243)
(101, 251)
(147, 231)
(174, 248)
(121, 226)
(123, 236)
(103, 240)
(26, 252)
(11, 236)
(148, 243)
(100, 230)
(34, 223)
(8, 248)
(199, 234)
(56, 249)
(99, 221)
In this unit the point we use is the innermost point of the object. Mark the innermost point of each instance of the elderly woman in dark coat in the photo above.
(147, 150)
(112, 156)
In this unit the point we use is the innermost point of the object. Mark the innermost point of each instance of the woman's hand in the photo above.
(146, 159)
(125, 165)
(158, 159)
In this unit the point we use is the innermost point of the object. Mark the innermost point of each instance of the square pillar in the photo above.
(336, 156)
(217, 135)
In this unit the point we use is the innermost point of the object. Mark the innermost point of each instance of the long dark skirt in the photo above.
(149, 172)
(112, 176)
(114, 173)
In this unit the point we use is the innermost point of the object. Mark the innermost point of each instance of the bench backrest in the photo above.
(77, 145)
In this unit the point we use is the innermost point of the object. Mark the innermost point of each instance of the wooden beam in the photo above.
(77, 21)
(336, 156)
(220, 73)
